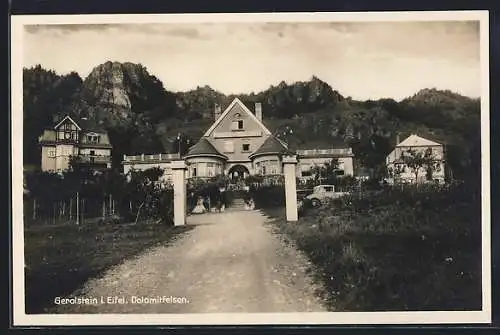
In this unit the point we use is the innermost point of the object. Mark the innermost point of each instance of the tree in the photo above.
(111, 188)
(419, 161)
(144, 189)
(372, 152)
(45, 94)
(327, 172)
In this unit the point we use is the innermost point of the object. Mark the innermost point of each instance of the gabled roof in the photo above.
(67, 117)
(271, 145)
(416, 141)
(228, 109)
(204, 148)
(82, 123)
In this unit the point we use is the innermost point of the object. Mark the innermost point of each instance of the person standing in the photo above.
(223, 198)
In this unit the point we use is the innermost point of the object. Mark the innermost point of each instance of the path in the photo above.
(230, 262)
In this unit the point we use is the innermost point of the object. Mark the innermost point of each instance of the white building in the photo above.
(79, 138)
(400, 172)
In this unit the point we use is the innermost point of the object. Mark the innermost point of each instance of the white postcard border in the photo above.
(20, 318)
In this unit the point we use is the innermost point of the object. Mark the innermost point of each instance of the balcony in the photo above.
(325, 152)
(150, 158)
(93, 159)
(237, 133)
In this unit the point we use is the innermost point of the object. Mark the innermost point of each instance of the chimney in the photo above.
(397, 139)
(258, 110)
(217, 111)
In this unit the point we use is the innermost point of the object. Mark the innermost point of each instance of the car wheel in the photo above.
(315, 202)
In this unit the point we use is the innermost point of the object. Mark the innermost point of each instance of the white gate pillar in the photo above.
(180, 192)
(289, 166)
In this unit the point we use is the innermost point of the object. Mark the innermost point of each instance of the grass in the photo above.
(58, 260)
(396, 251)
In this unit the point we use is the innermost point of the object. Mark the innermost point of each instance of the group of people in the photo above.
(203, 203)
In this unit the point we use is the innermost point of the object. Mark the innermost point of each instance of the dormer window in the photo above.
(92, 138)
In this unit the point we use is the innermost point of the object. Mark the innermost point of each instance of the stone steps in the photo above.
(237, 203)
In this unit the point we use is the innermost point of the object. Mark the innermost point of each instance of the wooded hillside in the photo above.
(142, 117)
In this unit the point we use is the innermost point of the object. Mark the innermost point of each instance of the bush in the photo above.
(412, 248)
(268, 196)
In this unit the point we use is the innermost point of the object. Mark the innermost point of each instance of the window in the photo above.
(305, 169)
(51, 153)
(228, 146)
(246, 147)
(210, 169)
(306, 173)
(267, 167)
(339, 172)
(194, 172)
(237, 125)
(273, 167)
(328, 188)
(92, 138)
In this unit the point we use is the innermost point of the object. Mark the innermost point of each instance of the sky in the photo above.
(363, 60)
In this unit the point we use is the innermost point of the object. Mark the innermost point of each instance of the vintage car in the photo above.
(321, 193)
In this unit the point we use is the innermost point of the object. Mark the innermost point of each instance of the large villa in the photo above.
(238, 144)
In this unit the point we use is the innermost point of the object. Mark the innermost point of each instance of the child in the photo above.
(200, 208)
(251, 204)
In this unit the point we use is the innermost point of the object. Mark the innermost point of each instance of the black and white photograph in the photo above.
(298, 168)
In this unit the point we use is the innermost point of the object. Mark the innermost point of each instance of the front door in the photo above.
(238, 173)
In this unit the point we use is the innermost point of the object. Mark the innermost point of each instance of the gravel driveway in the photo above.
(230, 262)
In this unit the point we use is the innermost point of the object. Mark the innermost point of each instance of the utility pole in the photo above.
(83, 209)
(104, 207)
(54, 212)
(34, 208)
(77, 208)
(110, 204)
(179, 143)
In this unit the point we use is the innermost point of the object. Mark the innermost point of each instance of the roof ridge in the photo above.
(271, 145)
(203, 147)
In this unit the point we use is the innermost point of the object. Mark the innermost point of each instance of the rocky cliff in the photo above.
(121, 94)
